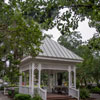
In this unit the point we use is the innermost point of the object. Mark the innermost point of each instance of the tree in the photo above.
(29, 17)
(84, 71)
(47, 13)
(94, 46)
(89, 70)
(18, 37)
(71, 41)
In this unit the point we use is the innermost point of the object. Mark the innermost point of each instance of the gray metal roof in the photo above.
(53, 49)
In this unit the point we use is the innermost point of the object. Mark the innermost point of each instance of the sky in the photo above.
(83, 28)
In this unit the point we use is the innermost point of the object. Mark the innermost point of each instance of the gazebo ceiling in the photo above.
(52, 49)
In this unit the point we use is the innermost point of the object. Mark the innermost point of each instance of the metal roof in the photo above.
(53, 49)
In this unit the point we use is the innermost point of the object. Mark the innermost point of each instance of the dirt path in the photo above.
(97, 96)
(3, 97)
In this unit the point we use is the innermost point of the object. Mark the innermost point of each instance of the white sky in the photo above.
(84, 29)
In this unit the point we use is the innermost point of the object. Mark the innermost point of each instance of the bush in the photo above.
(84, 93)
(89, 86)
(9, 92)
(37, 97)
(95, 90)
(2, 88)
(12, 93)
(16, 91)
(22, 97)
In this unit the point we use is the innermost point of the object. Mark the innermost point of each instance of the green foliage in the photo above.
(2, 88)
(9, 92)
(12, 93)
(18, 36)
(22, 97)
(21, 34)
(16, 91)
(84, 93)
(37, 97)
(95, 90)
(6, 79)
(71, 41)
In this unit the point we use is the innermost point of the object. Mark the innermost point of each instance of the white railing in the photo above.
(24, 89)
(42, 93)
(74, 93)
(5, 91)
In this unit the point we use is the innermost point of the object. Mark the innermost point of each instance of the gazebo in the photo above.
(54, 60)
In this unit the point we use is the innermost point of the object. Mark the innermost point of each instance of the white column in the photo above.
(32, 79)
(53, 78)
(30, 76)
(39, 76)
(20, 79)
(20, 82)
(56, 79)
(24, 78)
(48, 80)
(71, 79)
(75, 77)
(69, 76)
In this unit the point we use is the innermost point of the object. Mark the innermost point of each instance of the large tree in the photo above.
(71, 41)
(48, 13)
(21, 23)
(19, 36)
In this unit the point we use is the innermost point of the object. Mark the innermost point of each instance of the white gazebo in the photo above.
(54, 61)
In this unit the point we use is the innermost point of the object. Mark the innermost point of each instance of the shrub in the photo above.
(84, 93)
(89, 86)
(2, 88)
(12, 92)
(9, 92)
(22, 97)
(95, 90)
(37, 97)
(16, 91)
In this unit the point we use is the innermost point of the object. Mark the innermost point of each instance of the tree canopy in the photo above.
(22, 22)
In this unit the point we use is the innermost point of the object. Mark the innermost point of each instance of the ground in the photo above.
(97, 96)
(3, 97)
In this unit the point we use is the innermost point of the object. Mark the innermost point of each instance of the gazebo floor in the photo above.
(59, 97)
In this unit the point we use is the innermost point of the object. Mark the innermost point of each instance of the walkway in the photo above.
(59, 97)
(96, 96)
(3, 97)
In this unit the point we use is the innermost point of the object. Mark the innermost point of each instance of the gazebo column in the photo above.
(69, 77)
(53, 78)
(20, 82)
(75, 77)
(20, 79)
(32, 79)
(30, 76)
(48, 79)
(56, 78)
(39, 76)
(24, 78)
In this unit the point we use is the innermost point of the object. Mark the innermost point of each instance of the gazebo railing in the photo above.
(74, 93)
(42, 93)
(24, 89)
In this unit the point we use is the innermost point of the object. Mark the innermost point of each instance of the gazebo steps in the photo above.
(59, 97)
